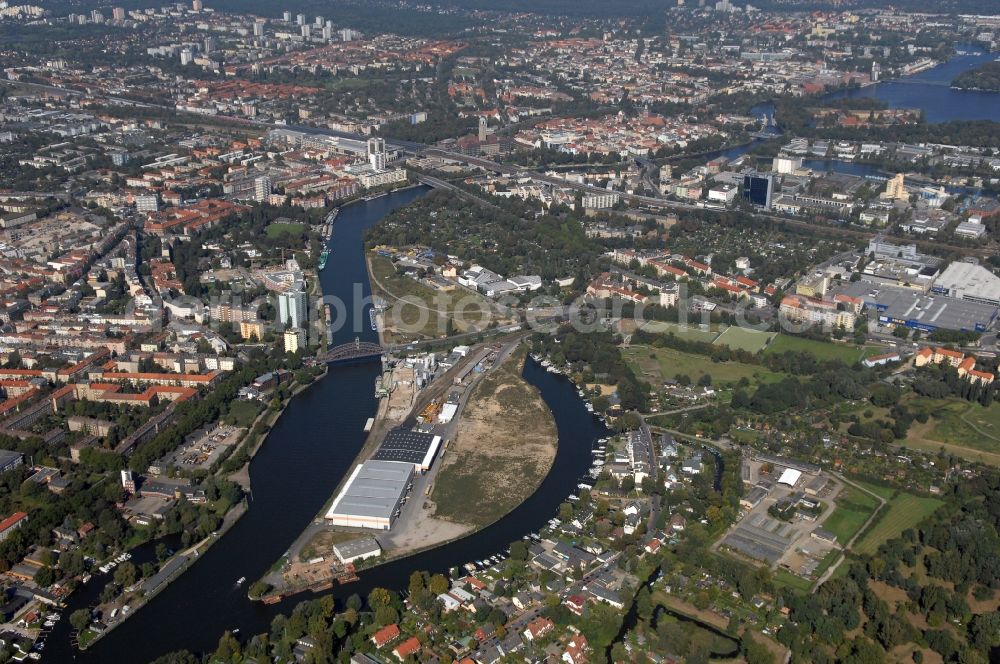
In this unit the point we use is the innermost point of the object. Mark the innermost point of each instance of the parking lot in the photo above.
(202, 448)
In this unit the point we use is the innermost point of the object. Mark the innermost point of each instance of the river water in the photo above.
(931, 90)
(308, 451)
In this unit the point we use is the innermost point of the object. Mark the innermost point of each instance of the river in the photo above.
(931, 90)
(306, 454)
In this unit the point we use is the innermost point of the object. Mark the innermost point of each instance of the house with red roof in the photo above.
(538, 628)
(964, 364)
(485, 633)
(12, 523)
(700, 268)
(576, 650)
(386, 635)
(575, 604)
(411, 646)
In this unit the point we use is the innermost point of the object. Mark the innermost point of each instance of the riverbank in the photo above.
(308, 449)
(306, 565)
(170, 570)
(931, 90)
(175, 566)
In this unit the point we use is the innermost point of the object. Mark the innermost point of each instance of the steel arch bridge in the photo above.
(351, 351)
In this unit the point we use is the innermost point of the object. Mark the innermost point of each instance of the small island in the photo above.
(985, 78)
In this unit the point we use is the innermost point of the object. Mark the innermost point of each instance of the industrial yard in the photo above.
(784, 512)
(456, 409)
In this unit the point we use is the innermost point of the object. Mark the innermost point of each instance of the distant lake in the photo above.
(931, 90)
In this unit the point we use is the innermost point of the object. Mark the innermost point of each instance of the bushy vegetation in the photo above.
(597, 356)
(510, 241)
(958, 548)
(983, 77)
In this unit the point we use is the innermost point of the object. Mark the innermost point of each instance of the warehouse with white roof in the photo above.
(970, 282)
(790, 476)
(372, 495)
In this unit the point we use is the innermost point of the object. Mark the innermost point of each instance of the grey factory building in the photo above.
(923, 311)
(372, 495)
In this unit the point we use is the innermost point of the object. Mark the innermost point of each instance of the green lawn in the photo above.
(686, 332)
(969, 425)
(782, 577)
(744, 435)
(242, 413)
(744, 339)
(884, 492)
(275, 230)
(655, 364)
(964, 428)
(904, 511)
(86, 637)
(853, 509)
(846, 353)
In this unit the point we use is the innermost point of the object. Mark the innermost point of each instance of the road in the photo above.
(660, 204)
(654, 498)
(438, 183)
(487, 164)
(881, 505)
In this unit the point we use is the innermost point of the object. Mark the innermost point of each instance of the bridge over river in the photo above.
(355, 350)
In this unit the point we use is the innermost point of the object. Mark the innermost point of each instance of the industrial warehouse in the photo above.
(926, 311)
(372, 495)
(408, 446)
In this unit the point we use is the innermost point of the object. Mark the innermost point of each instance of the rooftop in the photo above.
(373, 490)
(969, 280)
(924, 310)
(406, 446)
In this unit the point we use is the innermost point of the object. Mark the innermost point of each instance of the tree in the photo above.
(386, 615)
(79, 619)
(125, 575)
(438, 584)
(354, 602)
(754, 652)
(45, 577)
(228, 648)
(984, 630)
(379, 597)
(418, 582)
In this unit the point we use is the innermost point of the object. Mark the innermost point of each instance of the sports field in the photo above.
(275, 230)
(746, 339)
(689, 332)
(846, 353)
